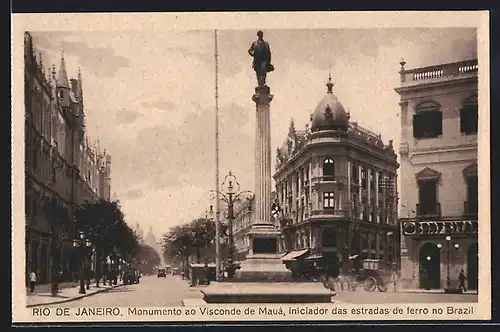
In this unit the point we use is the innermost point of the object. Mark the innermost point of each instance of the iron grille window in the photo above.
(468, 120)
(427, 124)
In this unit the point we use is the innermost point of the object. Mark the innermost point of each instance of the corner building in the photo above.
(62, 167)
(335, 183)
(439, 184)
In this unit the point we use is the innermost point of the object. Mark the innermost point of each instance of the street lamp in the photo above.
(82, 243)
(231, 193)
(448, 260)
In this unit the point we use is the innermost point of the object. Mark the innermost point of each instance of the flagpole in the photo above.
(217, 197)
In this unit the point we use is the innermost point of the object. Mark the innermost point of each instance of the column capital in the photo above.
(262, 95)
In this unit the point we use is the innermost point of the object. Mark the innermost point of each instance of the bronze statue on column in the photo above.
(261, 53)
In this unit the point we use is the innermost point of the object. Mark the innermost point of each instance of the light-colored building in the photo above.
(439, 188)
(62, 167)
(244, 215)
(335, 185)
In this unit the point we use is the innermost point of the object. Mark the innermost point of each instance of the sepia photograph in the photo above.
(239, 170)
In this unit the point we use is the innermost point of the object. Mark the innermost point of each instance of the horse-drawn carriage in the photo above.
(371, 275)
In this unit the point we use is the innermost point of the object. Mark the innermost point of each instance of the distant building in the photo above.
(244, 215)
(140, 233)
(439, 186)
(335, 185)
(62, 167)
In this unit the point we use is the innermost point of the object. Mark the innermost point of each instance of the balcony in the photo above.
(328, 178)
(438, 73)
(470, 208)
(429, 210)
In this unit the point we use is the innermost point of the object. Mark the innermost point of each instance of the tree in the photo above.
(103, 222)
(60, 226)
(179, 240)
(203, 231)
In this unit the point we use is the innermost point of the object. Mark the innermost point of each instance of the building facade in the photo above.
(335, 185)
(244, 216)
(62, 168)
(439, 186)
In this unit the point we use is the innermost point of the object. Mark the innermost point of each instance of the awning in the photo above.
(292, 255)
(313, 258)
(202, 265)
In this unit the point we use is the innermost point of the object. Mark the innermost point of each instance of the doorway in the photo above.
(472, 266)
(430, 267)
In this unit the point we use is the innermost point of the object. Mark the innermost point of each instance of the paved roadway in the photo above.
(170, 291)
(363, 297)
(150, 292)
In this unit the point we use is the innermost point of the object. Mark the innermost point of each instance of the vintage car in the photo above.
(131, 276)
(162, 273)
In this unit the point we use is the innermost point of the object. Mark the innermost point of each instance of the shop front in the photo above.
(437, 251)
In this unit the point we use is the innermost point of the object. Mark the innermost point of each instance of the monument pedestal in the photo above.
(263, 263)
(263, 278)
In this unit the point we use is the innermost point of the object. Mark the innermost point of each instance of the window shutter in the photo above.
(416, 126)
(439, 123)
(463, 120)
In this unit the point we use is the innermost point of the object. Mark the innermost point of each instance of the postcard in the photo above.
(251, 166)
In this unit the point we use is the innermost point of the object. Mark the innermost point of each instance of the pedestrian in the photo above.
(32, 281)
(394, 279)
(461, 280)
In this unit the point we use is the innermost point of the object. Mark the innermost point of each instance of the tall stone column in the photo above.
(262, 99)
(263, 262)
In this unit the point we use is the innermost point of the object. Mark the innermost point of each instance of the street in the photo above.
(170, 291)
(363, 297)
(150, 292)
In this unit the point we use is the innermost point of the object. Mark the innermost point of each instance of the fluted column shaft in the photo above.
(262, 99)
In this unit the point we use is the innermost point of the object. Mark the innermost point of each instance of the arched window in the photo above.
(329, 169)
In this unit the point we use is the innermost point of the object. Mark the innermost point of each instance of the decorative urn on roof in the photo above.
(329, 114)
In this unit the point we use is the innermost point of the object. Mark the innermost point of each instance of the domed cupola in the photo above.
(329, 114)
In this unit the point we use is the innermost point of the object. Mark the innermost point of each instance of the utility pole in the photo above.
(217, 197)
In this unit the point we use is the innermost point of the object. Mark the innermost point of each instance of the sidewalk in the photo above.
(45, 288)
(434, 291)
(66, 294)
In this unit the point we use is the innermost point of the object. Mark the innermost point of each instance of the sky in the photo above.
(150, 99)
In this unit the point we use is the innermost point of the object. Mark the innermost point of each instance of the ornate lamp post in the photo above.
(82, 243)
(231, 193)
(448, 260)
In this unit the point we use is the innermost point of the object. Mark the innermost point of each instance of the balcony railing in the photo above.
(328, 178)
(470, 208)
(439, 71)
(431, 210)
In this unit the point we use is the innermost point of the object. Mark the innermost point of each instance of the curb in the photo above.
(442, 292)
(74, 298)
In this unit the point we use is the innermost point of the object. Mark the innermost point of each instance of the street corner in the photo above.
(65, 296)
